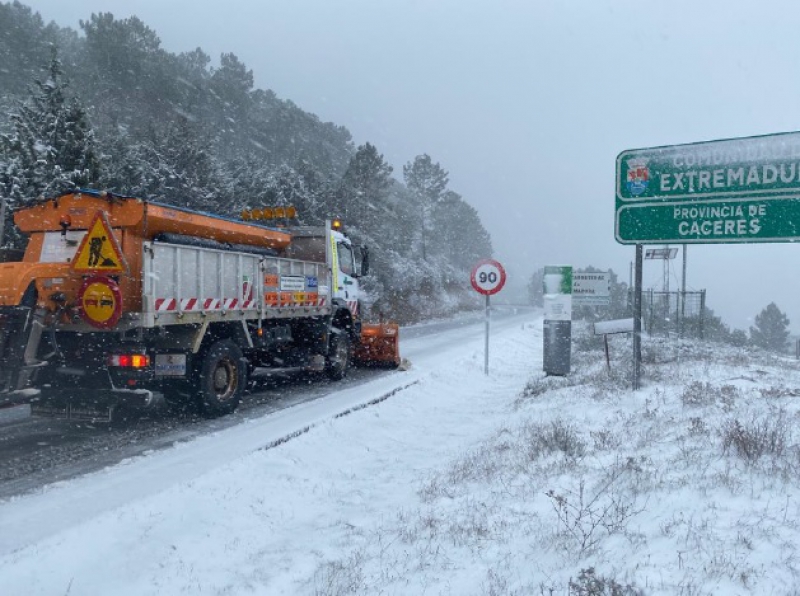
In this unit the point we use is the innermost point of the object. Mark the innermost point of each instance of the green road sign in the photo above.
(709, 222)
(735, 190)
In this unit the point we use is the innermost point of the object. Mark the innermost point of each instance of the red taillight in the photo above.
(129, 360)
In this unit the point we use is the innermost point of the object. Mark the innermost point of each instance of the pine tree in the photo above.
(51, 147)
(364, 189)
(771, 329)
(181, 171)
(460, 236)
(427, 181)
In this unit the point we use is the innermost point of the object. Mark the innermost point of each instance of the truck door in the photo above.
(345, 281)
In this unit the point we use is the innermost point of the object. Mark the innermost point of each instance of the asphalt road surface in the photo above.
(37, 451)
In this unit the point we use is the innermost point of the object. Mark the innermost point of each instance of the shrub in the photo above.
(544, 439)
(591, 584)
(698, 394)
(751, 441)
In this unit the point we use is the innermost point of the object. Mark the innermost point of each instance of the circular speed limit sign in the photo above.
(488, 277)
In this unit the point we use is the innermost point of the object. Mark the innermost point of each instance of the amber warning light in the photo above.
(268, 213)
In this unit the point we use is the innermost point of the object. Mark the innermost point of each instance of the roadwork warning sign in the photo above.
(99, 251)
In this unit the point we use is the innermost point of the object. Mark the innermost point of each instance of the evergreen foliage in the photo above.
(51, 146)
(427, 182)
(364, 190)
(771, 329)
(141, 121)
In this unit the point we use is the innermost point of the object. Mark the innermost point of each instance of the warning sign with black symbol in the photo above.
(99, 250)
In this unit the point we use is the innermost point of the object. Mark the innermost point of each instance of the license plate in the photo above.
(170, 365)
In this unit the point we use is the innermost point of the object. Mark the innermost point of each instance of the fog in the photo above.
(526, 104)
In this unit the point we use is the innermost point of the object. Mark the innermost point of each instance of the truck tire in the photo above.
(220, 379)
(339, 356)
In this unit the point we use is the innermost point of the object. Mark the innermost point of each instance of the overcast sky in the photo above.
(526, 103)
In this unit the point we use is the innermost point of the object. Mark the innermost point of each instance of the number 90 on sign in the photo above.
(488, 277)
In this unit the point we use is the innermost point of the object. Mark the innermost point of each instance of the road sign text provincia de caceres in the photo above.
(717, 191)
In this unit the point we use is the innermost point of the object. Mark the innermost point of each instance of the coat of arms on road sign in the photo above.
(638, 176)
(99, 251)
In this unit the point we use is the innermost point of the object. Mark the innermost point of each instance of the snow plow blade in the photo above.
(379, 345)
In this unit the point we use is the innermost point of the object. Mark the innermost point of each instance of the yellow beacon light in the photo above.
(269, 213)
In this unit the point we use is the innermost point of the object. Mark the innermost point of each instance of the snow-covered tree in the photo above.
(364, 188)
(51, 146)
(180, 170)
(771, 329)
(459, 235)
(427, 182)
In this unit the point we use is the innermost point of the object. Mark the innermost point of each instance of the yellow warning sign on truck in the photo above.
(99, 251)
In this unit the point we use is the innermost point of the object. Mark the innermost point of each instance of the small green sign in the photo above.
(734, 190)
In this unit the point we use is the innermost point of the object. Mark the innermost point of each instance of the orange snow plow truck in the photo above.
(119, 300)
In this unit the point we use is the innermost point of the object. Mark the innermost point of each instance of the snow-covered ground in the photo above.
(455, 483)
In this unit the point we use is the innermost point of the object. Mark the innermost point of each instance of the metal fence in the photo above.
(674, 313)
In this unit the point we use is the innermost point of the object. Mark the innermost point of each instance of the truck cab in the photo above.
(347, 262)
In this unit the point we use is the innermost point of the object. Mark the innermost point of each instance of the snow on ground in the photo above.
(460, 483)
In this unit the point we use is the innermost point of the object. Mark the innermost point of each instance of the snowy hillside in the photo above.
(459, 483)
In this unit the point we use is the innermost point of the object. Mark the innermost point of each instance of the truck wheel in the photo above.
(338, 360)
(220, 379)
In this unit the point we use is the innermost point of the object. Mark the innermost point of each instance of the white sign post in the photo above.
(488, 277)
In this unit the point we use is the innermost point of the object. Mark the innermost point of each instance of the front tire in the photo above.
(220, 379)
(339, 356)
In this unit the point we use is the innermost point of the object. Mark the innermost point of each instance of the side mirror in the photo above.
(364, 260)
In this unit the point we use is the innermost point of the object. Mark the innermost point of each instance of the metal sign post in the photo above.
(637, 321)
(488, 277)
(486, 342)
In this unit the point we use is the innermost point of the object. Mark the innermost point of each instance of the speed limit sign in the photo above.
(488, 277)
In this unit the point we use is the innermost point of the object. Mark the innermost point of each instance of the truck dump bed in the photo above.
(183, 284)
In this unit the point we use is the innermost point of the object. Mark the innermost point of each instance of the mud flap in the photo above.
(20, 333)
(97, 405)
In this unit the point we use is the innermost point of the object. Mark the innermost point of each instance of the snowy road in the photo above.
(27, 519)
(38, 451)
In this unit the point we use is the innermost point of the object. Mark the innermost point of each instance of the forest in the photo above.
(107, 107)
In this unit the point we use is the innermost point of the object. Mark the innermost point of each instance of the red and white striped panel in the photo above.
(166, 304)
(212, 304)
(353, 306)
(196, 304)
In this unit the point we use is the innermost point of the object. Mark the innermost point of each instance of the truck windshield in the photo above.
(346, 263)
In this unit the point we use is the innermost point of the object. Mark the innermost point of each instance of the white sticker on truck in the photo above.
(293, 283)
